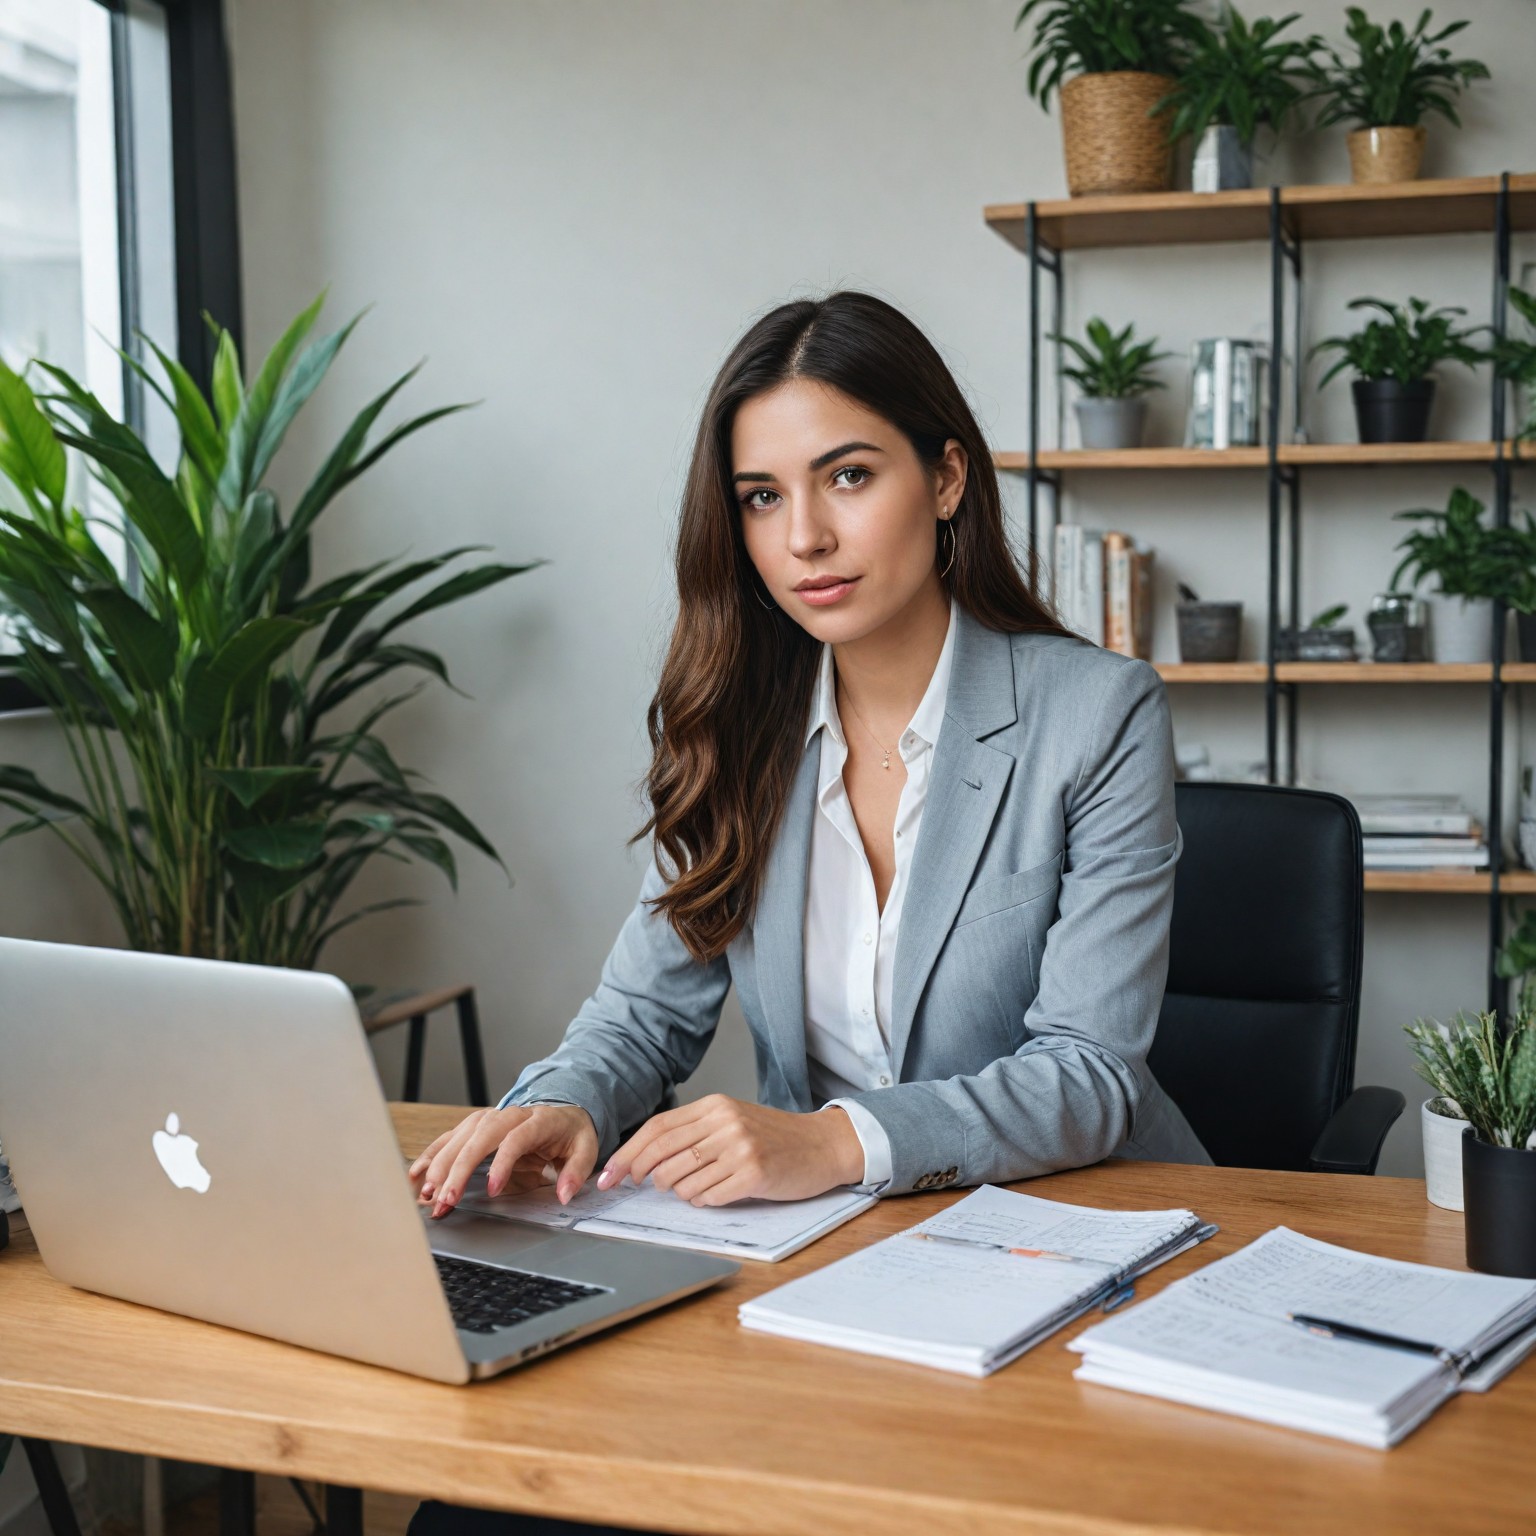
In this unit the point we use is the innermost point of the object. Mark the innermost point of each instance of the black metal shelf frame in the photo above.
(1284, 502)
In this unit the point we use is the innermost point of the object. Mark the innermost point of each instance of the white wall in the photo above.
(574, 208)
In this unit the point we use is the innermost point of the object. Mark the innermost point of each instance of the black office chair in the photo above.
(1256, 1039)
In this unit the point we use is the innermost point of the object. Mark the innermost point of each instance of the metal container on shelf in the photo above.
(1397, 622)
(1228, 393)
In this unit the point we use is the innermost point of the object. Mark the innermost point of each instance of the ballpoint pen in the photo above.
(1332, 1328)
(1027, 1253)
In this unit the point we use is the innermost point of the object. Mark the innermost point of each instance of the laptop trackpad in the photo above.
(490, 1239)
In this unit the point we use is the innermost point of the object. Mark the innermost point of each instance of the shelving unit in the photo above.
(1286, 218)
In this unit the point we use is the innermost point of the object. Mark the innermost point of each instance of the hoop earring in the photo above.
(949, 525)
(772, 607)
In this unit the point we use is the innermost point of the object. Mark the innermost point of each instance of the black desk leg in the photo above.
(343, 1511)
(237, 1503)
(50, 1487)
(415, 1046)
(474, 1057)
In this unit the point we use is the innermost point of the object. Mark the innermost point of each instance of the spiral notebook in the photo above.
(976, 1285)
(1225, 1338)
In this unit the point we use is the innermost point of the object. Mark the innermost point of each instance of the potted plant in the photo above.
(1521, 593)
(1240, 76)
(1208, 631)
(1393, 80)
(1489, 1072)
(1112, 61)
(1113, 374)
(226, 800)
(1394, 361)
(1515, 359)
(1324, 639)
(1474, 564)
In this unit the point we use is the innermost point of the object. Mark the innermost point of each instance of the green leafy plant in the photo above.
(1487, 1072)
(1112, 366)
(1093, 37)
(1406, 346)
(1470, 559)
(222, 804)
(1394, 78)
(1240, 74)
(1515, 357)
(1329, 616)
(1516, 959)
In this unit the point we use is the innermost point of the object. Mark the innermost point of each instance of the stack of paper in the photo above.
(745, 1229)
(976, 1285)
(1224, 1338)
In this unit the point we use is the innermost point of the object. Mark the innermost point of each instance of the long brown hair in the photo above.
(727, 721)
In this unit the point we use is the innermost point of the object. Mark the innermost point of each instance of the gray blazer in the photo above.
(1032, 954)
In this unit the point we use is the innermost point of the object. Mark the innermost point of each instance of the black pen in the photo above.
(1332, 1328)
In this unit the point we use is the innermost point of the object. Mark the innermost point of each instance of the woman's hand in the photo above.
(525, 1141)
(720, 1149)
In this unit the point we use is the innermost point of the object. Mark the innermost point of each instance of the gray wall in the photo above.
(574, 208)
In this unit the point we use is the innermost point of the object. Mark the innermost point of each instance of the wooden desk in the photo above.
(684, 1421)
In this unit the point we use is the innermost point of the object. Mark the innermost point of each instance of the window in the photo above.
(117, 198)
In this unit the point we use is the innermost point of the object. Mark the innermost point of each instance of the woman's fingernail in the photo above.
(426, 1191)
(605, 1178)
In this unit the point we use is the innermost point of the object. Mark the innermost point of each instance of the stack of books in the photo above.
(1419, 832)
(1307, 1334)
(1101, 582)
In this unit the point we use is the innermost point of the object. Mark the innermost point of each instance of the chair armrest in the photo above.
(1351, 1141)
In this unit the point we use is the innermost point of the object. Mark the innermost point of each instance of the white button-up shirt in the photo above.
(850, 943)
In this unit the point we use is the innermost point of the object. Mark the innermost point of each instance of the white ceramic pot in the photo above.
(1442, 1155)
(1460, 628)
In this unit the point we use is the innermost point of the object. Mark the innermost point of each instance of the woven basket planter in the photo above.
(1110, 142)
(1385, 154)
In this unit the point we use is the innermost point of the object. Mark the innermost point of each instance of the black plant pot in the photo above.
(1389, 412)
(1525, 633)
(1499, 1191)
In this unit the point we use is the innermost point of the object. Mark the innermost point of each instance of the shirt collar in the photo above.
(926, 720)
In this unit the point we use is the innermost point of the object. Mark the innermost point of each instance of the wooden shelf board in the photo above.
(1465, 882)
(1342, 455)
(1367, 672)
(1211, 671)
(1336, 211)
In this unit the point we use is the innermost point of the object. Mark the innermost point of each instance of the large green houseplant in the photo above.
(222, 707)
(1393, 79)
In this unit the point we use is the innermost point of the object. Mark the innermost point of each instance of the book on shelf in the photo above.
(1101, 581)
(1413, 815)
(974, 1286)
(1275, 1332)
(1473, 855)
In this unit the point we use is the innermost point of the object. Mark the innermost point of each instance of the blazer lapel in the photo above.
(778, 930)
(966, 783)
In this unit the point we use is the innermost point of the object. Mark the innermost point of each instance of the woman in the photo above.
(926, 831)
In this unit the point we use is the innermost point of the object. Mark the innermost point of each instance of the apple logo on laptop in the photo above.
(178, 1156)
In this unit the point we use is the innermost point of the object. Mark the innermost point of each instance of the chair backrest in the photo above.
(1256, 1039)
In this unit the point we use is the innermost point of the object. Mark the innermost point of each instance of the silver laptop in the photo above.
(212, 1139)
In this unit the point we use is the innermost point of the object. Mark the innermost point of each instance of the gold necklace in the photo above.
(886, 751)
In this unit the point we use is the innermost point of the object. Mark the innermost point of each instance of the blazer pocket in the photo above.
(1009, 890)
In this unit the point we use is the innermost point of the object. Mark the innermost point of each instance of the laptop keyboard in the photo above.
(485, 1297)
